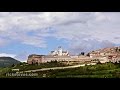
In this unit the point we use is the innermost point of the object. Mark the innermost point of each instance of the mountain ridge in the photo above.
(8, 61)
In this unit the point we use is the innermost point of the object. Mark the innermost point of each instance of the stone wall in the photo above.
(34, 59)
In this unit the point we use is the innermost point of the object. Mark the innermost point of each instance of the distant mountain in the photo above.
(8, 61)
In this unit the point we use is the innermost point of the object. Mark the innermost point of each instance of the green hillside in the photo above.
(8, 61)
(107, 70)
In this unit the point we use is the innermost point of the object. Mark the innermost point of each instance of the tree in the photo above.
(21, 63)
(88, 54)
(13, 65)
(116, 63)
(55, 61)
(32, 63)
(98, 62)
(82, 53)
(36, 63)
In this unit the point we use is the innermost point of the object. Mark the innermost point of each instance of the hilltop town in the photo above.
(59, 63)
(111, 54)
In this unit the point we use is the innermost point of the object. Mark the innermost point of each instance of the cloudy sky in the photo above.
(24, 33)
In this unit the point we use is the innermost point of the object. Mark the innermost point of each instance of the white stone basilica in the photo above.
(59, 52)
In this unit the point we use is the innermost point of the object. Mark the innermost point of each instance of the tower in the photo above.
(59, 51)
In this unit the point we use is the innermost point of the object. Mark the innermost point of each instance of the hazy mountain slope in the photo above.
(8, 61)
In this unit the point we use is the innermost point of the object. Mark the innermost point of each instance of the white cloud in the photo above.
(72, 26)
(34, 41)
(7, 55)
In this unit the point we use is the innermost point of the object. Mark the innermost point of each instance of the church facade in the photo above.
(59, 52)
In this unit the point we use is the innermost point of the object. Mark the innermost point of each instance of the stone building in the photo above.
(107, 54)
(59, 52)
(103, 55)
(57, 55)
(35, 59)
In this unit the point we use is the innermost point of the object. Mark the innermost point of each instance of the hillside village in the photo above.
(60, 61)
(111, 54)
(107, 54)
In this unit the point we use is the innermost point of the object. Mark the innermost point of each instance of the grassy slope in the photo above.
(98, 71)
(108, 70)
(42, 65)
(24, 67)
(3, 71)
